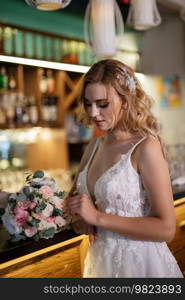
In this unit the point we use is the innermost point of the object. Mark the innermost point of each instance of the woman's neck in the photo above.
(118, 135)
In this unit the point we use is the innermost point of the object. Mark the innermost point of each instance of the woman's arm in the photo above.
(160, 226)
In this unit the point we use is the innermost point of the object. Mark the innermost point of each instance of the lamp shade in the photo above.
(48, 4)
(103, 27)
(143, 14)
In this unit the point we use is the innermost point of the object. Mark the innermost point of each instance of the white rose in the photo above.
(53, 199)
(47, 212)
(43, 225)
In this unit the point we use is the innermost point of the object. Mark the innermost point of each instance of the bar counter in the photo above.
(178, 192)
(62, 256)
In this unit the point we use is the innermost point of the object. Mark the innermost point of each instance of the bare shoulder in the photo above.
(150, 154)
(150, 147)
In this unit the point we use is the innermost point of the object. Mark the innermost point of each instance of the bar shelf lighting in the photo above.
(44, 64)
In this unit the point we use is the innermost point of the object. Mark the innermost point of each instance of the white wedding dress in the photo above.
(119, 191)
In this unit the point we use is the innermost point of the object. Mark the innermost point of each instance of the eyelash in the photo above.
(100, 105)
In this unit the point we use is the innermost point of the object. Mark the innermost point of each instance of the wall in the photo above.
(17, 12)
(163, 47)
(163, 53)
(171, 119)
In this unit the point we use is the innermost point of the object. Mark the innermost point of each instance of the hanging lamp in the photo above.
(48, 4)
(143, 14)
(103, 27)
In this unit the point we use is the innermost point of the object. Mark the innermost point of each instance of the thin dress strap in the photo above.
(136, 144)
(93, 151)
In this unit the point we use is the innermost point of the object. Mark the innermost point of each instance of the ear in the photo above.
(124, 105)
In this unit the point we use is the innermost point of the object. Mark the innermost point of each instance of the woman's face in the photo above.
(103, 105)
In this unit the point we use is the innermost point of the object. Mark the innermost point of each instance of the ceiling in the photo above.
(78, 7)
(67, 22)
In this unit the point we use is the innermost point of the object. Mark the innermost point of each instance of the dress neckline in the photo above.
(96, 147)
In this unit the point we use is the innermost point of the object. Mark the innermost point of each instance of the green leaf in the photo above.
(38, 174)
(61, 194)
(57, 212)
(36, 237)
(28, 177)
(47, 233)
(40, 207)
(38, 195)
(34, 222)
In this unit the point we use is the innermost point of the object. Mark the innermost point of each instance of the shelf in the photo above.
(49, 104)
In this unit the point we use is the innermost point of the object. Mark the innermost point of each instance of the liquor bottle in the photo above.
(25, 111)
(46, 109)
(50, 82)
(3, 79)
(43, 82)
(11, 81)
(33, 112)
(10, 109)
(2, 112)
(53, 108)
(19, 109)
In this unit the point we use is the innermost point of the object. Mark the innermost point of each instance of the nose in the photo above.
(94, 111)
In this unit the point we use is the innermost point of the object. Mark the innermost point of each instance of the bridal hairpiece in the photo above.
(128, 80)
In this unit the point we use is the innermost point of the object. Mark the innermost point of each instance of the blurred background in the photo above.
(38, 97)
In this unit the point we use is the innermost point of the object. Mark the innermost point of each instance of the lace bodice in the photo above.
(119, 190)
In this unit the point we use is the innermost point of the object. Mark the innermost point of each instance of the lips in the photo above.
(98, 123)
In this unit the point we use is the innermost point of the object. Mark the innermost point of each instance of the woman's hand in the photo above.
(82, 227)
(82, 206)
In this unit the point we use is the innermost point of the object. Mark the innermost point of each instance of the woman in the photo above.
(124, 197)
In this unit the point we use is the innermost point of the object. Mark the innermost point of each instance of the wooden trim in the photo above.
(179, 202)
(24, 258)
(83, 252)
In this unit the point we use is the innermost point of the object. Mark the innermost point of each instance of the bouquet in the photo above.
(38, 210)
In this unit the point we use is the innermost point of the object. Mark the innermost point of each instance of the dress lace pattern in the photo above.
(119, 192)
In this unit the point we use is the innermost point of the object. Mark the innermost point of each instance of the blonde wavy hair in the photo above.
(138, 116)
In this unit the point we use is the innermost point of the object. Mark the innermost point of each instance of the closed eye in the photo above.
(101, 105)
(87, 104)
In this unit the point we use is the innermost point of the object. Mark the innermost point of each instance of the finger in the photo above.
(91, 235)
(91, 239)
(74, 203)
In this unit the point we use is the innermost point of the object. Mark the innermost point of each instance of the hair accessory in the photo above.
(128, 80)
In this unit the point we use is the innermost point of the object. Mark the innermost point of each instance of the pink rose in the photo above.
(60, 221)
(22, 205)
(32, 205)
(18, 209)
(21, 217)
(46, 191)
(50, 219)
(60, 204)
(38, 216)
(30, 231)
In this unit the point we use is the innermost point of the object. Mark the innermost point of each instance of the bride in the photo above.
(122, 193)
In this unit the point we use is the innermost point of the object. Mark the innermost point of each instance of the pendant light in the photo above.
(48, 4)
(143, 14)
(103, 27)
